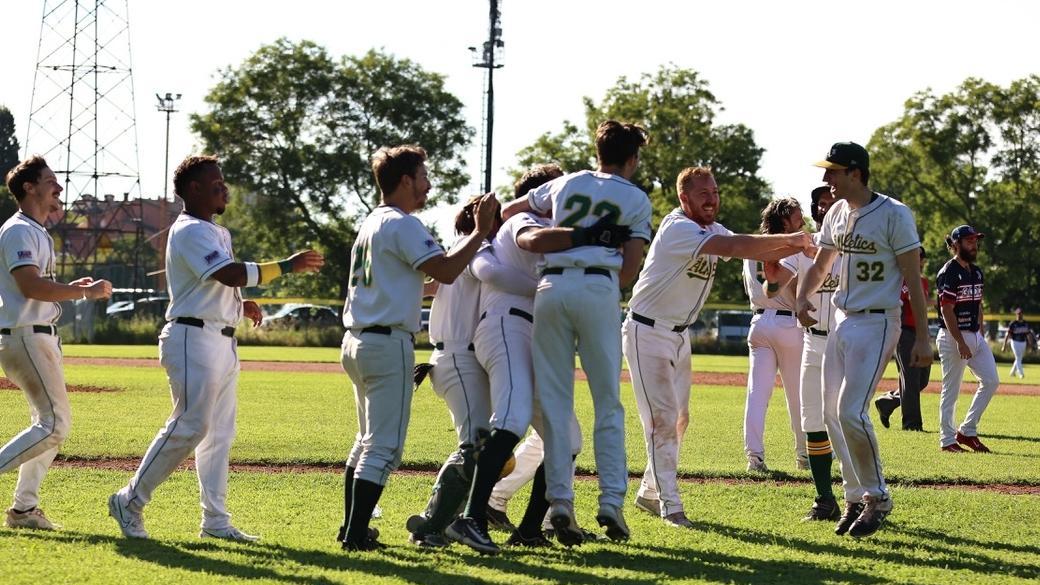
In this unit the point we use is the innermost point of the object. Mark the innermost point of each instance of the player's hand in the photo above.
(307, 261)
(801, 240)
(964, 350)
(251, 311)
(97, 289)
(802, 309)
(921, 353)
(486, 213)
(602, 233)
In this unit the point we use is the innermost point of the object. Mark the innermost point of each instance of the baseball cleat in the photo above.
(415, 523)
(469, 532)
(428, 540)
(848, 517)
(678, 520)
(954, 448)
(613, 521)
(538, 541)
(229, 533)
(367, 544)
(872, 517)
(33, 519)
(824, 508)
(886, 404)
(756, 464)
(972, 442)
(498, 520)
(801, 463)
(649, 506)
(561, 515)
(373, 533)
(130, 523)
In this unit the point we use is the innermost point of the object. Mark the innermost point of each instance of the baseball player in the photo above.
(876, 238)
(381, 314)
(1019, 333)
(961, 343)
(30, 350)
(197, 349)
(819, 403)
(775, 341)
(912, 381)
(578, 303)
(672, 287)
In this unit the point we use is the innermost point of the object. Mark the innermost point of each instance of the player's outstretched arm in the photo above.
(240, 274)
(34, 286)
(518, 205)
(910, 267)
(555, 239)
(445, 268)
(765, 247)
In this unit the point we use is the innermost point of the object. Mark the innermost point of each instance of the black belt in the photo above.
(440, 345)
(874, 311)
(226, 331)
(48, 329)
(650, 322)
(819, 332)
(781, 312)
(514, 311)
(593, 270)
(383, 330)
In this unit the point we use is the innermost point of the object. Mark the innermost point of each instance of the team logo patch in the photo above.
(702, 269)
(430, 243)
(209, 258)
(24, 254)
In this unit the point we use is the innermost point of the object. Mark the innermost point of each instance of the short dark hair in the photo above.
(864, 174)
(189, 170)
(536, 176)
(814, 206)
(391, 163)
(27, 171)
(617, 142)
(776, 212)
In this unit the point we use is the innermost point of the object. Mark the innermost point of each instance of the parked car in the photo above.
(296, 316)
(153, 306)
(732, 326)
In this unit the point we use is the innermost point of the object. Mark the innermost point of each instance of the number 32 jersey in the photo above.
(583, 198)
(868, 240)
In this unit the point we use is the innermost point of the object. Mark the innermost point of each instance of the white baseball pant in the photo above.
(380, 367)
(982, 365)
(659, 362)
(819, 401)
(503, 347)
(776, 344)
(1019, 349)
(33, 362)
(202, 367)
(583, 309)
(462, 383)
(858, 350)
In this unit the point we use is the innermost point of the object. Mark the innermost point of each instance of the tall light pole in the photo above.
(168, 104)
(489, 57)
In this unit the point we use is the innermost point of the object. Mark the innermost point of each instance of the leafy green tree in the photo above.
(8, 159)
(295, 128)
(679, 111)
(971, 156)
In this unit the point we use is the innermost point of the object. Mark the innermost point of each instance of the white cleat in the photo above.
(34, 519)
(229, 533)
(130, 523)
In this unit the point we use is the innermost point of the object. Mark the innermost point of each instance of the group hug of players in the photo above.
(525, 287)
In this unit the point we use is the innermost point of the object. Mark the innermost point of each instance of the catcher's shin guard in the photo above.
(450, 490)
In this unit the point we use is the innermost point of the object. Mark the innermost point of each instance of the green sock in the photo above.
(819, 447)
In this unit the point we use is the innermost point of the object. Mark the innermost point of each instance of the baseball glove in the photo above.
(420, 372)
(602, 233)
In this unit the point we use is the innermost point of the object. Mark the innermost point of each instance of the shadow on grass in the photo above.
(1013, 438)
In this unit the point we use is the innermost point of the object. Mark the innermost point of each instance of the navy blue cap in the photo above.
(964, 231)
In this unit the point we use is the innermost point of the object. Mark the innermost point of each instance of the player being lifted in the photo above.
(671, 290)
(876, 239)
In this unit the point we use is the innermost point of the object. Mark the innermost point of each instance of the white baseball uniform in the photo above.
(30, 355)
(577, 303)
(671, 290)
(861, 344)
(775, 342)
(198, 350)
(381, 313)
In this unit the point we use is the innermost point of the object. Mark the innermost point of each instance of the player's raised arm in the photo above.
(445, 268)
(253, 273)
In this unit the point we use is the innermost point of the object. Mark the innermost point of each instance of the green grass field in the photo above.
(747, 532)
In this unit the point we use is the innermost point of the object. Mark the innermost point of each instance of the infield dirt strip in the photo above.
(699, 378)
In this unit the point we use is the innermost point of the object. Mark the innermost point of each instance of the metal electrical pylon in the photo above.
(82, 121)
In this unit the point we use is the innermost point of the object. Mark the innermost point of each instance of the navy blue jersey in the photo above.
(961, 287)
(1019, 330)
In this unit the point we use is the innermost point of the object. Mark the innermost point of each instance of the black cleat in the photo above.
(613, 521)
(824, 508)
(498, 520)
(367, 544)
(539, 541)
(373, 533)
(848, 517)
(469, 532)
(886, 404)
(565, 527)
(871, 518)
